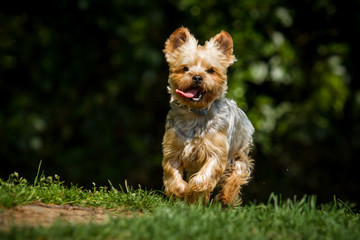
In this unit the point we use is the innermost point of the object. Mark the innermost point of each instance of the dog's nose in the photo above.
(197, 79)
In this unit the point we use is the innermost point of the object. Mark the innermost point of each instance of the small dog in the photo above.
(207, 135)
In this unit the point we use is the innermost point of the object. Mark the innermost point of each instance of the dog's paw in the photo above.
(177, 189)
(195, 197)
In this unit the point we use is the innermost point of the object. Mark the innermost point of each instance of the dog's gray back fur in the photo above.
(223, 113)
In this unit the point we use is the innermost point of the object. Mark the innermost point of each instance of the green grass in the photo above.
(18, 191)
(168, 219)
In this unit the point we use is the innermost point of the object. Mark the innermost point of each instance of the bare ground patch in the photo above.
(40, 214)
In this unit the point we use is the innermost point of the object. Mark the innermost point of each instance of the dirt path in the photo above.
(39, 214)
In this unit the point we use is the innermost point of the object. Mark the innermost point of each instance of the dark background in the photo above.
(83, 88)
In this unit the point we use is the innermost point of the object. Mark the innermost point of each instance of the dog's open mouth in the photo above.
(195, 94)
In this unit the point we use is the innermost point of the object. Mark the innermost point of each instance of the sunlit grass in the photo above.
(167, 219)
(17, 190)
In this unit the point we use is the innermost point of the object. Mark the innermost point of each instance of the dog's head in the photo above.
(198, 73)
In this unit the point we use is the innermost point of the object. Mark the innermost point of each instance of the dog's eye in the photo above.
(210, 70)
(185, 69)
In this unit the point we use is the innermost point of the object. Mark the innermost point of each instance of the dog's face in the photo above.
(198, 73)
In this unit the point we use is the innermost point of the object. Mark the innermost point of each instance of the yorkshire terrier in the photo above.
(207, 137)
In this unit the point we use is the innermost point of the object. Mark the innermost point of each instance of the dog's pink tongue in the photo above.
(189, 93)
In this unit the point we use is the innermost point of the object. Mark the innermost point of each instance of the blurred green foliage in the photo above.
(83, 88)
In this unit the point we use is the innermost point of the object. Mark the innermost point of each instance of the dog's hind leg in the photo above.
(237, 174)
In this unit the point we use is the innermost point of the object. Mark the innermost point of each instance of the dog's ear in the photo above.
(177, 39)
(223, 42)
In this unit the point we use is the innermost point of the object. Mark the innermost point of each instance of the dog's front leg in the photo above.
(173, 178)
(172, 166)
(202, 183)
